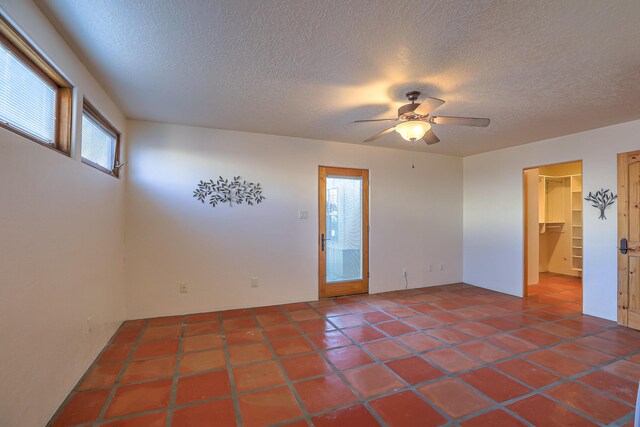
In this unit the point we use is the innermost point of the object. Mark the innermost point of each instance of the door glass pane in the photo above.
(344, 229)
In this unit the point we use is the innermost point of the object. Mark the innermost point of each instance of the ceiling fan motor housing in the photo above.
(407, 109)
(413, 95)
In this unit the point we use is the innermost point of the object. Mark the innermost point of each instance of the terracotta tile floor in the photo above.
(448, 355)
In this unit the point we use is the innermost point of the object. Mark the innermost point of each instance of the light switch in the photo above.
(303, 215)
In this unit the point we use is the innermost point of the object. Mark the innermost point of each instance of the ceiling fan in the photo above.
(415, 120)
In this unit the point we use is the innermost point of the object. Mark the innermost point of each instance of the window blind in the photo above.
(98, 143)
(27, 100)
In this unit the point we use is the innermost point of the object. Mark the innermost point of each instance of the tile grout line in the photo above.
(339, 374)
(409, 387)
(227, 358)
(448, 375)
(278, 360)
(116, 384)
(176, 372)
(489, 365)
(483, 364)
(440, 378)
(408, 301)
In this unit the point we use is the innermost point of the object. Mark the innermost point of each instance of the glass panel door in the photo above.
(343, 249)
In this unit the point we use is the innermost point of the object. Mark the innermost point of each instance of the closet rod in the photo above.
(560, 176)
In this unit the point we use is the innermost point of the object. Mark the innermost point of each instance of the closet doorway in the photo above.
(553, 233)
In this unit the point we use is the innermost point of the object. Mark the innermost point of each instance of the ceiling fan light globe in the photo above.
(413, 130)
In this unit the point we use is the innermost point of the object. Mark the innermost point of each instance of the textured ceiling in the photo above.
(307, 68)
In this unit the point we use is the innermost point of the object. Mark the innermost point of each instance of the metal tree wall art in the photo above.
(601, 200)
(225, 191)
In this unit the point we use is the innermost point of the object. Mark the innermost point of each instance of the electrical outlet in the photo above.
(183, 288)
(303, 214)
(255, 282)
(430, 267)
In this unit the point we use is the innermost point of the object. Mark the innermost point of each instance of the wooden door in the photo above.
(343, 235)
(629, 239)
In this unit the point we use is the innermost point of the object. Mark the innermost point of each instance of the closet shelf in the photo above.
(560, 210)
(576, 229)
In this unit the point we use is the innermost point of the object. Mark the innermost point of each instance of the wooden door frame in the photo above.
(353, 287)
(525, 234)
(525, 221)
(623, 231)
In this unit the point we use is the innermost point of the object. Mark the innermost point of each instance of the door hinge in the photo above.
(368, 275)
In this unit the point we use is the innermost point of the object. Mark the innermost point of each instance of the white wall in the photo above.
(415, 217)
(493, 232)
(61, 250)
(62, 228)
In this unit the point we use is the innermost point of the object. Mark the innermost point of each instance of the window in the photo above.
(100, 141)
(35, 100)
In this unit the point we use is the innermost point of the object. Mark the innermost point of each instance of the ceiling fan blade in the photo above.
(379, 134)
(428, 105)
(375, 120)
(430, 138)
(407, 109)
(460, 121)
